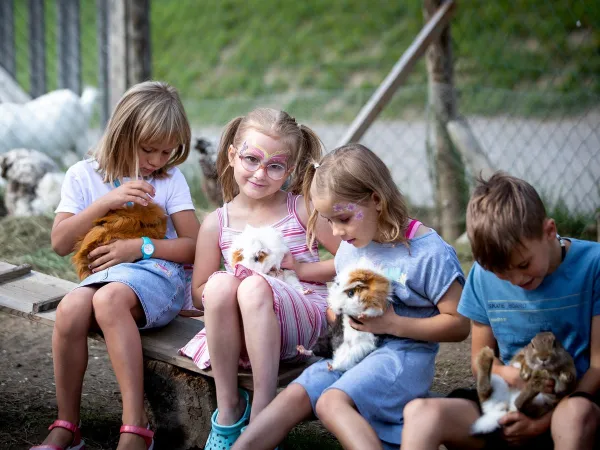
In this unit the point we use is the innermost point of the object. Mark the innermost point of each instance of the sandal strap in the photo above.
(146, 433)
(64, 424)
(69, 426)
(46, 447)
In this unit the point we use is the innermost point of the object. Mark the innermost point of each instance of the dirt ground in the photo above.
(28, 405)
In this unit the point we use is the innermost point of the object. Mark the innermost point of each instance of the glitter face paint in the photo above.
(349, 207)
(280, 157)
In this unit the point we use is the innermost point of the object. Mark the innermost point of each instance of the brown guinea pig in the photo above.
(127, 223)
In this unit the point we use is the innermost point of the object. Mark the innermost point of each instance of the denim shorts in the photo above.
(380, 385)
(158, 284)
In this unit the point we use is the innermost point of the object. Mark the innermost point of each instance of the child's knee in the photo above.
(73, 313)
(425, 410)
(111, 302)
(329, 404)
(575, 413)
(221, 292)
(254, 292)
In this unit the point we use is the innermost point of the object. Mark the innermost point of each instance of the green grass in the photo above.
(322, 59)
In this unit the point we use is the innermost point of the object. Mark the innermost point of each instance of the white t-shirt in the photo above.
(83, 185)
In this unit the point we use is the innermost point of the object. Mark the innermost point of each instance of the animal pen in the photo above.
(434, 153)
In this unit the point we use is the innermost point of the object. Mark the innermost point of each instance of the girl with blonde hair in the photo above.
(253, 319)
(352, 189)
(135, 283)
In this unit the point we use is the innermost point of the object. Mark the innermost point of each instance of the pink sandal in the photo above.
(145, 433)
(76, 444)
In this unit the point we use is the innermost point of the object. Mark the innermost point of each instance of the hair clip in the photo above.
(316, 165)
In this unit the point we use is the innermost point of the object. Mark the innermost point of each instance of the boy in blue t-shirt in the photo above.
(526, 279)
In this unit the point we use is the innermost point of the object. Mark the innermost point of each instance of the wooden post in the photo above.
(398, 74)
(129, 43)
(102, 34)
(466, 143)
(37, 48)
(450, 181)
(7, 37)
(69, 48)
(179, 405)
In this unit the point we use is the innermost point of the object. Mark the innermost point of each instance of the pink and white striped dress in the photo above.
(301, 317)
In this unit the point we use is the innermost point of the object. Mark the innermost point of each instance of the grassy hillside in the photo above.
(532, 52)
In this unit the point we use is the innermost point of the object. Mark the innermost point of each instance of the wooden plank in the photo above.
(37, 48)
(7, 38)
(69, 45)
(161, 344)
(398, 74)
(10, 273)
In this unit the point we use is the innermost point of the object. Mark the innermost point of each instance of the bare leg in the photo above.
(429, 423)
(224, 340)
(339, 415)
(263, 338)
(118, 312)
(575, 424)
(70, 354)
(272, 425)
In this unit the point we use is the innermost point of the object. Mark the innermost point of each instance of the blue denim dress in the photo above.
(158, 284)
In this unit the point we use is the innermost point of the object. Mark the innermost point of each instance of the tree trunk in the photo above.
(179, 405)
(449, 170)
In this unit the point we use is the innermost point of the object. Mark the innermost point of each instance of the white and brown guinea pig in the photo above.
(361, 289)
(262, 250)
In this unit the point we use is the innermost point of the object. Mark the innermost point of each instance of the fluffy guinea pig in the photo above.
(127, 223)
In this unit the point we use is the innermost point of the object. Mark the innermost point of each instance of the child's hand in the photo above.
(140, 192)
(517, 428)
(116, 252)
(512, 376)
(383, 324)
(289, 262)
(330, 315)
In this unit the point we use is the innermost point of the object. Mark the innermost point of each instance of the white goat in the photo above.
(55, 123)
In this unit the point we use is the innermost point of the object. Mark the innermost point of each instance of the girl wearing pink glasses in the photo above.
(253, 320)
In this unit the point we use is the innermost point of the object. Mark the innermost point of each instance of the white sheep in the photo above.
(55, 123)
(33, 182)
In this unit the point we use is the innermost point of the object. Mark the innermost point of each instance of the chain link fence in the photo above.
(525, 78)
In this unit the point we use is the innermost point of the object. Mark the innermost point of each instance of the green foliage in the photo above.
(27, 240)
(523, 58)
(576, 225)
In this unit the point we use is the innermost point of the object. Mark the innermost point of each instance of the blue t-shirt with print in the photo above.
(421, 273)
(564, 303)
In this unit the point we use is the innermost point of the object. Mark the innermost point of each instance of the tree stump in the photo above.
(179, 405)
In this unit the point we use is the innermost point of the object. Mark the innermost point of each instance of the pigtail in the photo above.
(310, 151)
(307, 179)
(229, 187)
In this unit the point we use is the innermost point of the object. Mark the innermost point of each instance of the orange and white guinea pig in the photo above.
(360, 290)
(262, 250)
(127, 223)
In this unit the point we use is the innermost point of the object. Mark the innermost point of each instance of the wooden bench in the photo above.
(179, 402)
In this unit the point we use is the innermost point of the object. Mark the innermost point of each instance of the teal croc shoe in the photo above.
(222, 437)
